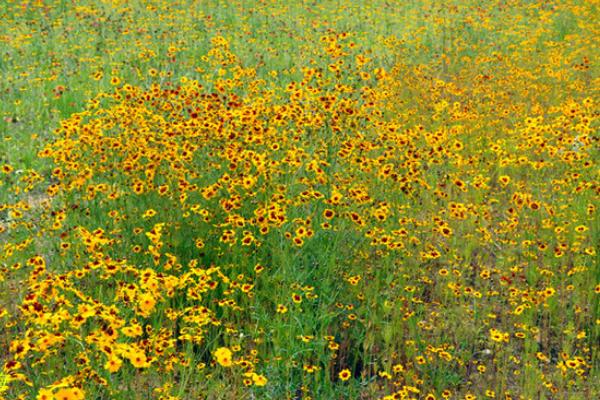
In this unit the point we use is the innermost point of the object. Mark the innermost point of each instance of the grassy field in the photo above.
(299, 200)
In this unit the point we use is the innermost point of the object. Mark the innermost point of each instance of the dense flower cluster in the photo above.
(357, 228)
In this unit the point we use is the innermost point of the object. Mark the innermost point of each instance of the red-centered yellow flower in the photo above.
(149, 213)
(113, 364)
(259, 380)
(45, 394)
(281, 309)
(139, 360)
(69, 394)
(296, 298)
(328, 214)
(344, 374)
(498, 336)
(146, 302)
(223, 356)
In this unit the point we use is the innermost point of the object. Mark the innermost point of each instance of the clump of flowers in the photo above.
(351, 226)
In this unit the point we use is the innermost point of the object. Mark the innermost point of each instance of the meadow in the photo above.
(299, 200)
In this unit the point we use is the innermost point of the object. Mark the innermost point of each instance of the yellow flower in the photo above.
(504, 180)
(69, 394)
(45, 394)
(259, 380)
(281, 309)
(113, 364)
(519, 310)
(498, 336)
(146, 303)
(223, 356)
(149, 213)
(344, 374)
(139, 360)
